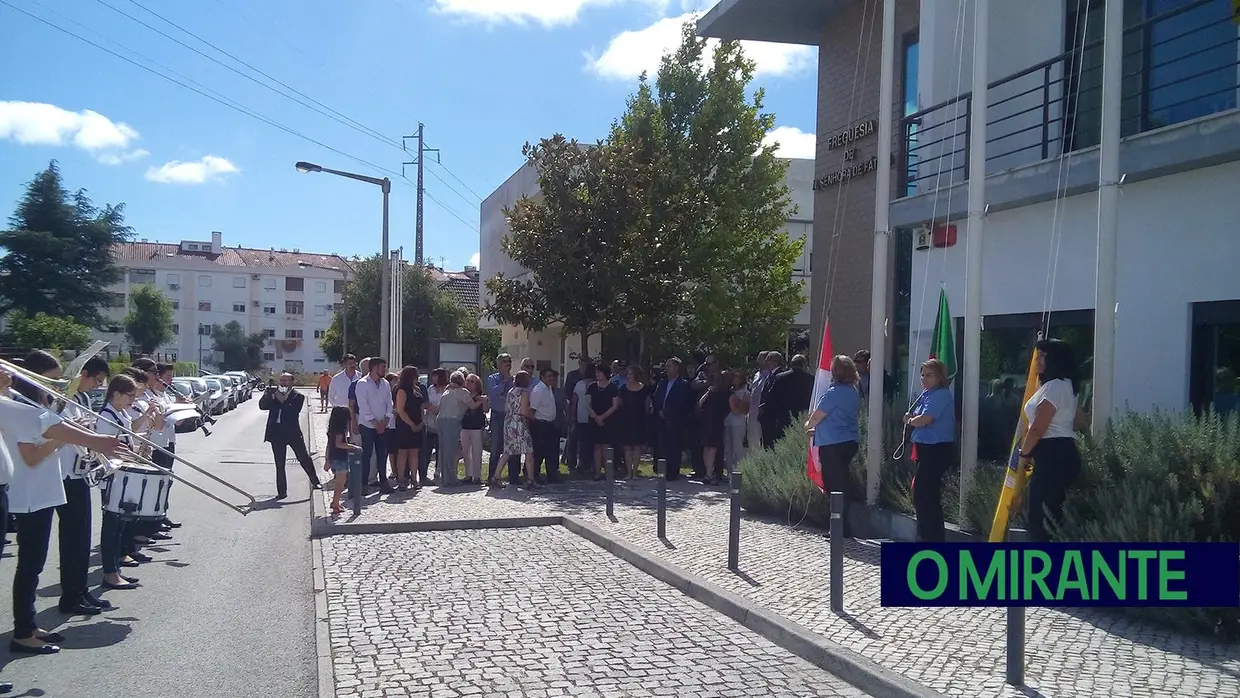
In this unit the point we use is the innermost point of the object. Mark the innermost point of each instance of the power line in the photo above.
(205, 92)
(452, 213)
(459, 181)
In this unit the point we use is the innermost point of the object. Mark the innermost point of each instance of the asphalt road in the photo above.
(225, 609)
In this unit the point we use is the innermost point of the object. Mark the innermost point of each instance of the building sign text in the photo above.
(849, 135)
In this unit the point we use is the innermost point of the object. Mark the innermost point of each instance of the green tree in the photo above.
(429, 314)
(59, 251)
(574, 239)
(43, 331)
(728, 285)
(239, 351)
(149, 321)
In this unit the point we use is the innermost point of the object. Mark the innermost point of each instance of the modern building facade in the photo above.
(289, 296)
(547, 347)
(1178, 312)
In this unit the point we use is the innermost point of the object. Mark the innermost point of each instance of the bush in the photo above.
(181, 368)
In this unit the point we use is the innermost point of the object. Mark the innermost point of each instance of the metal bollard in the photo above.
(357, 488)
(734, 521)
(1016, 645)
(837, 552)
(662, 511)
(610, 469)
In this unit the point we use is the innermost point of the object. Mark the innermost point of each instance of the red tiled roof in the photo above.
(464, 285)
(140, 252)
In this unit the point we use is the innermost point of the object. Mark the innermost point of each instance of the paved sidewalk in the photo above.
(959, 652)
(535, 612)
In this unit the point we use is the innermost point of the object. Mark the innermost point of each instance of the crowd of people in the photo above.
(46, 453)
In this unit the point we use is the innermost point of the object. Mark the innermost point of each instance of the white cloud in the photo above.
(793, 142)
(632, 52)
(474, 259)
(544, 12)
(35, 123)
(197, 172)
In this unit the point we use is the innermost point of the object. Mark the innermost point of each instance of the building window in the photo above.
(176, 329)
(173, 279)
(294, 283)
(141, 276)
(320, 310)
(269, 333)
(238, 282)
(294, 308)
(320, 287)
(269, 356)
(338, 286)
(116, 300)
(269, 310)
(292, 334)
(238, 307)
(908, 78)
(269, 284)
(319, 334)
(204, 281)
(204, 306)
(204, 330)
(1215, 357)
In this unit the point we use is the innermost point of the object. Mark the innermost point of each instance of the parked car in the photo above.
(194, 389)
(244, 383)
(217, 396)
(228, 389)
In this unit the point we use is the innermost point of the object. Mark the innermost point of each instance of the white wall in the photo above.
(1176, 248)
(1022, 34)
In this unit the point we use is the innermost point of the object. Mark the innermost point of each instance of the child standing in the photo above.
(338, 450)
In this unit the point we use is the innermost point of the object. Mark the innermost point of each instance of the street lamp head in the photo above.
(308, 167)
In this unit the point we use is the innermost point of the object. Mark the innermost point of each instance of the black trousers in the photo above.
(570, 446)
(1057, 463)
(279, 449)
(546, 436)
(74, 533)
(671, 447)
(430, 443)
(933, 461)
(835, 460)
(34, 533)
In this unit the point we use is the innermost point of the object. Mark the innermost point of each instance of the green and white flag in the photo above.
(943, 343)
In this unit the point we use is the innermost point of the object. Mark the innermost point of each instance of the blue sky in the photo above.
(485, 76)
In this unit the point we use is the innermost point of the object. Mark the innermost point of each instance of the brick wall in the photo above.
(848, 84)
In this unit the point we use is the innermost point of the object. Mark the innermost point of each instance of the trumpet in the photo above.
(144, 444)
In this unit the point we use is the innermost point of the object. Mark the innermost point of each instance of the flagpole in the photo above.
(973, 267)
(1108, 216)
(874, 454)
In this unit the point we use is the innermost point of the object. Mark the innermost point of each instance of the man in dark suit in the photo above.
(673, 405)
(283, 405)
(767, 410)
(789, 394)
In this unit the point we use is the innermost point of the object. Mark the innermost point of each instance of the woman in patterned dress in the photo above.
(517, 440)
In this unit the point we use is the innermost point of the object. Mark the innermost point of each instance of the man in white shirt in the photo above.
(581, 457)
(374, 410)
(545, 433)
(338, 390)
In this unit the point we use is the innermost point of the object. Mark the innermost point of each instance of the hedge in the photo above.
(182, 368)
(1154, 478)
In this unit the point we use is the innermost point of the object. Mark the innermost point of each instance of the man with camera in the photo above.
(284, 405)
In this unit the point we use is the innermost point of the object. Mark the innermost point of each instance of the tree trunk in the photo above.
(585, 344)
(641, 348)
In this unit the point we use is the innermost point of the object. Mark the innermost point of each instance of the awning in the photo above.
(777, 21)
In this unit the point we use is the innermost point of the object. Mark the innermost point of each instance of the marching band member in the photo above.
(74, 515)
(35, 490)
(146, 417)
(159, 376)
(114, 534)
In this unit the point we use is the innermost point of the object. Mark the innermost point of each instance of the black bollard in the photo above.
(357, 488)
(734, 521)
(610, 469)
(1016, 646)
(837, 552)
(662, 511)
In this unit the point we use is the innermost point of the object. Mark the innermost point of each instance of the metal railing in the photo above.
(1178, 65)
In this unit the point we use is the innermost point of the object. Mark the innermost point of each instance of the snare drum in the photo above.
(137, 492)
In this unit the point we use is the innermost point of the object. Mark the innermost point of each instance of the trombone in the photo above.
(47, 386)
(192, 406)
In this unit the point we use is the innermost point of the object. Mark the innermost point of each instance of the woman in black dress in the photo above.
(631, 422)
(407, 436)
(715, 408)
(604, 401)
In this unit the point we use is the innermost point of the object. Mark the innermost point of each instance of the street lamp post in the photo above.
(385, 311)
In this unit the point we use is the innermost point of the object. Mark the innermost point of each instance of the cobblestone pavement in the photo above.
(535, 613)
(959, 652)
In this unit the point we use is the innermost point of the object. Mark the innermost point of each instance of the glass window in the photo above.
(269, 284)
(294, 283)
(269, 310)
(294, 307)
(338, 286)
(238, 307)
(174, 278)
(269, 356)
(1215, 361)
(204, 280)
(204, 306)
(292, 334)
(909, 80)
(320, 287)
(269, 333)
(176, 329)
(1192, 62)
(238, 282)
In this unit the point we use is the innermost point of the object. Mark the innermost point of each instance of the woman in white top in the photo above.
(1050, 440)
(736, 424)
(115, 533)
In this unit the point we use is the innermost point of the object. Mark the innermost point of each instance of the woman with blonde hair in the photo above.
(472, 425)
(835, 430)
(933, 419)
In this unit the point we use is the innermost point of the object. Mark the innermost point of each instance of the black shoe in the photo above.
(282, 495)
(159, 536)
(141, 557)
(18, 648)
(6, 687)
(80, 608)
(171, 524)
(120, 587)
(96, 601)
(127, 578)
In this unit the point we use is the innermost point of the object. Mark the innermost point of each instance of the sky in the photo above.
(267, 84)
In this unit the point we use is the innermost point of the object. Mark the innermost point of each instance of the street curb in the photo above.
(322, 628)
(322, 526)
(829, 656)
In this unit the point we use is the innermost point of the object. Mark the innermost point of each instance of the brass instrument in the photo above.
(146, 446)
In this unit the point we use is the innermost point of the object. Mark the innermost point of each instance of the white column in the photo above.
(875, 452)
(974, 241)
(1108, 215)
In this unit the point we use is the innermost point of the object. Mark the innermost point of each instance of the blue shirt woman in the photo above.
(841, 403)
(938, 404)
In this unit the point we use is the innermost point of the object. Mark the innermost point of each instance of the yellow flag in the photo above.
(1014, 480)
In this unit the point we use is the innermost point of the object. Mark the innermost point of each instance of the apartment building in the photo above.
(1178, 312)
(288, 295)
(547, 347)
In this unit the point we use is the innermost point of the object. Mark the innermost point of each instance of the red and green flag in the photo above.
(943, 343)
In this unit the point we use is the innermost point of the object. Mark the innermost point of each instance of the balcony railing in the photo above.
(1178, 65)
